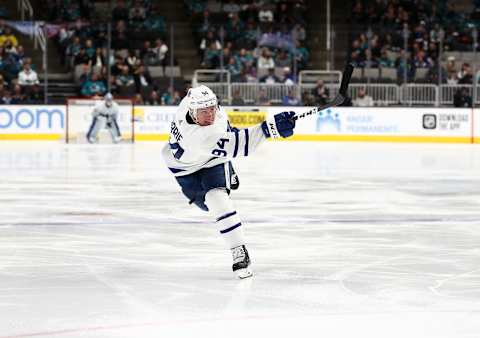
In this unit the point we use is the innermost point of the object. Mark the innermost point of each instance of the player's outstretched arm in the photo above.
(243, 142)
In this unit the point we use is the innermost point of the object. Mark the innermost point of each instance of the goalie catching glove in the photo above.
(280, 125)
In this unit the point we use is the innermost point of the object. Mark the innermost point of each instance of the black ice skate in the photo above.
(241, 262)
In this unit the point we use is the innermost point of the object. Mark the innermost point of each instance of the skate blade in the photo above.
(244, 273)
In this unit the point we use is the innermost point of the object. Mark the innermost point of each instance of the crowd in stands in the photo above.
(138, 43)
(255, 41)
(19, 82)
(378, 37)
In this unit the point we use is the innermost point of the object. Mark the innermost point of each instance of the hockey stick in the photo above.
(338, 100)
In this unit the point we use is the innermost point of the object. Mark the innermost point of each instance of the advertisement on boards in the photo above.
(35, 121)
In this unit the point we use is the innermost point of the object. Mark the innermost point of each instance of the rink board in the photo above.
(436, 125)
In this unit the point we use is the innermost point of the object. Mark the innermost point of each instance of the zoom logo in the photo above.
(25, 118)
(429, 121)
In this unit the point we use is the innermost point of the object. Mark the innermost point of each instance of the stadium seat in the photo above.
(173, 71)
(372, 73)
(155, 71)
(389, 73)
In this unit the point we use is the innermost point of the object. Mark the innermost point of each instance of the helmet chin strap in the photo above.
(193, 116)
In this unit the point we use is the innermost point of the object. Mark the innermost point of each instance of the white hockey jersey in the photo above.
(101, 109)
(192, 147)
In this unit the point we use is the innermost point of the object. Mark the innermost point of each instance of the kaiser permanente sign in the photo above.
(442, 125)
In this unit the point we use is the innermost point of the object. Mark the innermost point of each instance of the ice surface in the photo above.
(346, 239)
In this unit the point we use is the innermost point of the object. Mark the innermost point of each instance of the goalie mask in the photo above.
(108, 99)
(203, 105)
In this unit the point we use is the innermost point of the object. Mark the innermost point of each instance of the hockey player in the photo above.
(105, 115)
(199, 153)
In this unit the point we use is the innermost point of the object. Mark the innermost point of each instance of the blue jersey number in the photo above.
(176, 150)
(221, 145)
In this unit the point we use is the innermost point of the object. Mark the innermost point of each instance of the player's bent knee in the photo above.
(218, 201)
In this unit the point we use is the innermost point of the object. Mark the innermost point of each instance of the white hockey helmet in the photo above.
(108, 99)
(200, 97)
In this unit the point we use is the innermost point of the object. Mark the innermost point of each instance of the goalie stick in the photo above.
(338, 100)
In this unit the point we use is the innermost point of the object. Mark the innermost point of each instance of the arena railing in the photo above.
(382, 94)
(218, 80)
(419, 94)
(249, 92)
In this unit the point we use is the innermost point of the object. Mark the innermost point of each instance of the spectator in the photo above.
(462, 99)
(19, 56)
(133, 59)
(141, 78)
(99, 60)
(81, 58)
(299, 33)
(71, 12)
(137, 13)
(146, 53)
(288, 77)
(403, 62)
(93, 86)
(270, 78)
(301, 54)
(6, 98)
(234, 28)
(167, 98)
(237, 100)
(120, 12)
(89, 49)
(290, 99)
(465, 75)
(233, 69)
(432, 74)
(250, 35)
(138, 100)
(204, 25)
(160, 51)
(265, 61)
(320, 93)
(72, 50)
(27, 77)
(262, 98)
(8, 36)
(85, 74)
(231, 7)
(265, 14)
(176, 98)
(363, 100)
(308, 99)
(153, 99)
(3, 83)
(9, 48)
(17, 97)
(244, 58)
(384, 60)
(283, 59)
(451, 64)
(125, 79)
(35, 95)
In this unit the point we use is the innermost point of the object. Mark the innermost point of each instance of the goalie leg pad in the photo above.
(98, 123)
(114, 130)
